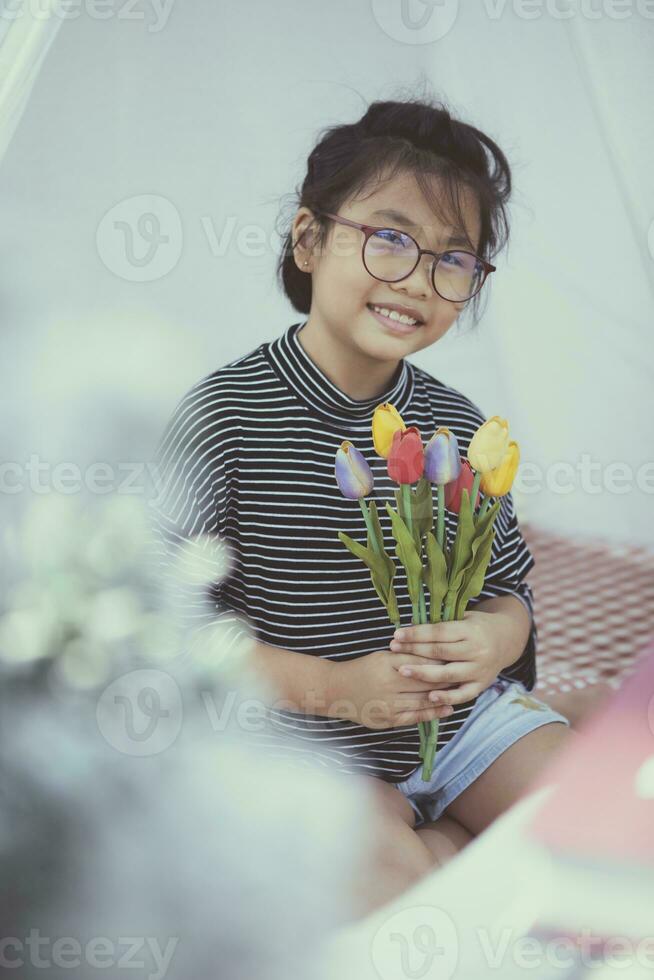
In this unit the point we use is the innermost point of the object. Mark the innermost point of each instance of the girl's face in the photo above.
(343, 290)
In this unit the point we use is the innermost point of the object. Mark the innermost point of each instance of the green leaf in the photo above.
(407, 553)
(468, 556)
(462, 548)
(474, 579)
(488, 518)
(383, 586)
(482, 530)
(435, 577)
(401, 510)
(382, 570)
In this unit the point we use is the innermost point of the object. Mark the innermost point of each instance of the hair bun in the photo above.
(408, 121)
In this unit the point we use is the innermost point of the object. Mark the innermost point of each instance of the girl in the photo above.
(398, 218)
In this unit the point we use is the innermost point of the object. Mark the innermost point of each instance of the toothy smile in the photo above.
(394, 315)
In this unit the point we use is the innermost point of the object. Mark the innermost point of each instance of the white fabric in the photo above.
(565, 349)
(26, 32)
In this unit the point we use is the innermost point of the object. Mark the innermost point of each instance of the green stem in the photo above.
(406, 496)
(428, 730)
(428, 749)
(416, 617)
(474, 492)
(423, 606)
(440, 521)
(485, 504)
(422, 727)
(430, 752)
(429, 755)
(371, 531)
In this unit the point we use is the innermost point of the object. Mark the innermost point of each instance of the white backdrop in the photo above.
(140, 191)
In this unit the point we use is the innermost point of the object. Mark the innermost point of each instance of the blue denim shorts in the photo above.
(502, 714)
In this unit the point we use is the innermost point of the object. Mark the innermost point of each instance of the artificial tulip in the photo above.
(465, 480)
(353, 475)
(406, 461)
(442, 459)
(498, 482)
(386, 421)
(489, 444)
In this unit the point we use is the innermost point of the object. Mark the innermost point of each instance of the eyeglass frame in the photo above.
(369, 230)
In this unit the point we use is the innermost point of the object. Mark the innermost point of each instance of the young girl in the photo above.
(398, 218)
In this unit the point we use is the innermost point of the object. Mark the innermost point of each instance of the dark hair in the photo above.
(419, 136)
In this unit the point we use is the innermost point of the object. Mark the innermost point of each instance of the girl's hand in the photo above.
(469, 652)
(369, 691)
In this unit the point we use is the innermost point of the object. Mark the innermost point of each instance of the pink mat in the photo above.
(594, 609)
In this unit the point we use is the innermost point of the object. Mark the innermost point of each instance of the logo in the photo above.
(416, 943)
(140, 239)
(415, 21)
(140, 713)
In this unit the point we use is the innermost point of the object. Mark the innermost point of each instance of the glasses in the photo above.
(391, 256)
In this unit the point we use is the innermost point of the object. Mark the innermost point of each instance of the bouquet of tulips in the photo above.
(452, 576)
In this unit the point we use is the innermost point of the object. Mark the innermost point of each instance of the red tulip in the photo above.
(406, 461)
(465, 479)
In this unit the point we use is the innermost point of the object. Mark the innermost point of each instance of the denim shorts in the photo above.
(502, 714)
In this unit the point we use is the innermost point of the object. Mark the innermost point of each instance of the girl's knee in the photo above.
(395, 860)
(444, 838)
(390, 800)
(400, 850)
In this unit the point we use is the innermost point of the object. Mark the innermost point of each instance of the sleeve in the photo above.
(190, 557)
(510, 562)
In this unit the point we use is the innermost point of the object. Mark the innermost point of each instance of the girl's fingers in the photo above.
(413, 685)
(458, 695)
(419, 705)
(423, 714)
(405, 660)
(433, 651)
(433, 674)
(413, 702)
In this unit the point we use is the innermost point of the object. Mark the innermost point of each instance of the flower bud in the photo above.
(442, 459)
(386, 421)
(406, 461)
(488, 445)
(353, 475)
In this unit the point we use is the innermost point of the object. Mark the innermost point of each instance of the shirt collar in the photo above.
(293, 364)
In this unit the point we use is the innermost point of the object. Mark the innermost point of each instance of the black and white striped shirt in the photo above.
(248, 459)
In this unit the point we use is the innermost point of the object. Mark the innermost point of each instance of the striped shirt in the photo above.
(247, 459)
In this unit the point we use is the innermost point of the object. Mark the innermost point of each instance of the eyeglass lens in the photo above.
(391, 255)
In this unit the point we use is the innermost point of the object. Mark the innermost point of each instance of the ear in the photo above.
(307, 231)
(303, 237)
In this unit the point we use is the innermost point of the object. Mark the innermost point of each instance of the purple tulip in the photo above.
(353, 475)
(442, 459)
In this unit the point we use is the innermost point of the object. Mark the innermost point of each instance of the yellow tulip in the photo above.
(386, 421)
(498, 482)
(489, 444)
